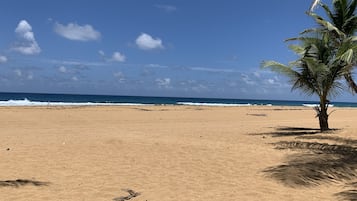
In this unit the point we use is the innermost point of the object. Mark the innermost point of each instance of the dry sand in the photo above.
(174, 153)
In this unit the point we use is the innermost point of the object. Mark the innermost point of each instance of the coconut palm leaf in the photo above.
(314, 4)
(297, 49)
(327, 25)
(279, 68)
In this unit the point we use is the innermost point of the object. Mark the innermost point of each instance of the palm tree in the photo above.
(327, 55)
(341, 23)
(319, 70)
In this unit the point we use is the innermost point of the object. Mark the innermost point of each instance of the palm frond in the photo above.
(350, 82)
(347, 56)
(326, 24)
(328, 11)
(312, 30)
(352, 8)
(279, 68)
(297, 49)
(306, 85)
(314, 4)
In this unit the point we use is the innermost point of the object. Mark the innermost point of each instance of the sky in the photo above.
(180, 48)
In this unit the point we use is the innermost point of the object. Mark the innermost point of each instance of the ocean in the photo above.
(40, 99)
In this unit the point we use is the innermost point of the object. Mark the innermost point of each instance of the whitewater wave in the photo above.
(26, 102)
(314, 105)
(214, 104)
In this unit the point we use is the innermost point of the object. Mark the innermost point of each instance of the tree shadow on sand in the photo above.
(316, 162)
(291, 131)
(349, 194)
(22, 182)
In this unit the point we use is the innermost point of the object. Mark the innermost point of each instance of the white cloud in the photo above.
(18, 72)
(117, 56)
(75, 78)
(271, 81)
(3, 59)
(77, 63)
(119, 76)
(166, 8)
(232, 83)
(101, 53)
(163, 83)
(147, 42)
(23, 74)
(62, 69)
(257, 74)
(155, 66)
(30, 76)
(194, 85)
(200, 88)
(27, 43)
(73, 31)
(248, 80)
(213, 70)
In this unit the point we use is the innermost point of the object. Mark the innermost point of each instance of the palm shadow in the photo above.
(291, 131)
(22, 182)
(350, 194)
(314, 163)
(317, 164)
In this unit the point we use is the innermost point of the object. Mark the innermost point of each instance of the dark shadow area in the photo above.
(258, 115)
(298, 129)
(319, 163)
(149, 110)
(291, 131)
(345, 141)
(22, 182)
(348, 194)
(143, 109)
(131, 195)
(303, 129)
(316, 163)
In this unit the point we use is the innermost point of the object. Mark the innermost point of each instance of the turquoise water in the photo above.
(14, 99)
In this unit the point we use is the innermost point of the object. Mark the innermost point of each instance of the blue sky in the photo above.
(149, 47)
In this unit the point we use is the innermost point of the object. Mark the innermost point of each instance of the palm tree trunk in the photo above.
(323, 120)
(322, 114)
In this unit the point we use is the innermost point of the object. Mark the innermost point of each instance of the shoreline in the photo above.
(273, 107)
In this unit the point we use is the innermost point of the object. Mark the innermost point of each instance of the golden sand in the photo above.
(174, 153)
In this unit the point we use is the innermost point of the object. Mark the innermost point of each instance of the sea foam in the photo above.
(214, 104)
(26, 102)
(314, 105)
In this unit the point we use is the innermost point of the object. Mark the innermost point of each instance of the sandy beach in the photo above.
(172, 153)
